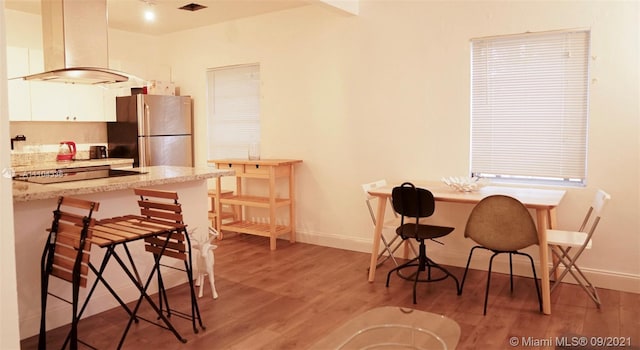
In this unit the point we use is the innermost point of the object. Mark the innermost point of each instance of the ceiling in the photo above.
(128, 14)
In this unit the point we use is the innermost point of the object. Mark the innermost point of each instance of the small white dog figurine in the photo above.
(206, 249)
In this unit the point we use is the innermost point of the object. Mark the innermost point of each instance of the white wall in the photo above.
(9, 335)
(386, 95)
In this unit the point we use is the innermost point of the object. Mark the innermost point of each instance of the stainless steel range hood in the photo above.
(75, 43)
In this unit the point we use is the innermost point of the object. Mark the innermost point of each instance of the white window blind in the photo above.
(529, 106)
(233, 110)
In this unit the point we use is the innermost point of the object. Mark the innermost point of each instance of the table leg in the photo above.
(272, 208)
(218, 207)
(405, 253)
(553, 223)
(292, 206)
(542, 216)
(382, 204)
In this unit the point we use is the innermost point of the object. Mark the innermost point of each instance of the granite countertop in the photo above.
(263, 161)
(156, 175)
(54, 165)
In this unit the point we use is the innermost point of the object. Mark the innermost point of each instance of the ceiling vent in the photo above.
(192, 7)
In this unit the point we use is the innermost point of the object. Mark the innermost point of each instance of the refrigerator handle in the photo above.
(146, 149)
(145, 120)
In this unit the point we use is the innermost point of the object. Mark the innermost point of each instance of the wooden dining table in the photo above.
(543, 201)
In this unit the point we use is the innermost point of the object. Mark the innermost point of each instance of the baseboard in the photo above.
(623, 282)
(335, 241)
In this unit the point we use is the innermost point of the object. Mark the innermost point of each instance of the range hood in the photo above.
(75, 45)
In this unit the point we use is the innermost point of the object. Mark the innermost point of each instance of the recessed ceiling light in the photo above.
(149, 11)
(149, 15)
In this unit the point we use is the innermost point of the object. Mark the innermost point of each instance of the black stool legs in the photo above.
(495, 253)
(423, 264)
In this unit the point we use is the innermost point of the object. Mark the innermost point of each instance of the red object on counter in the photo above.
(67, 151)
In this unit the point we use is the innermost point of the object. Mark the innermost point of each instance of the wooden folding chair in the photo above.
(66, 256)
(231, 213)
(161, 207)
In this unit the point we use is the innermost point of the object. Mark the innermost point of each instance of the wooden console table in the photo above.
(266, 169)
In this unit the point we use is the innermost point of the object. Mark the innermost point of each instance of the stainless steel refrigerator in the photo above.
(153, 130)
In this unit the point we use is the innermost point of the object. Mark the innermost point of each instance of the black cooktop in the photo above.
(74, 174)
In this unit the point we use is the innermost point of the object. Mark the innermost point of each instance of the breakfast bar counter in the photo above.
(53, 165)
(155, 175)
(34, 203)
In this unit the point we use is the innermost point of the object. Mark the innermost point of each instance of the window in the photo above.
(529, 106)
(233, 97)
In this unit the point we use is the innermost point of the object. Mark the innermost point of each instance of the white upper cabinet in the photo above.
(48, 101)
(64, 102)
(18, 89)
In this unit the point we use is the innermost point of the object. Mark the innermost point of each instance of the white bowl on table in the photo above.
(462, 183)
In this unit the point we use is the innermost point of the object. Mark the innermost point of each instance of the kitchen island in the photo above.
(55, 165)
(33, 207)
(149, 176)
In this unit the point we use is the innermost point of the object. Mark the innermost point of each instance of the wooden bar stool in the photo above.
(228, 213)
(66, 256)
(159, 206)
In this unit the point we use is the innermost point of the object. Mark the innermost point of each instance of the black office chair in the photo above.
(412, 204)
(501, 224)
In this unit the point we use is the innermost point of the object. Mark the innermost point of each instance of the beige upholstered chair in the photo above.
(501, 224)
(561, 243)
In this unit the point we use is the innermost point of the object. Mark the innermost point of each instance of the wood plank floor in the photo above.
(291, 297)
